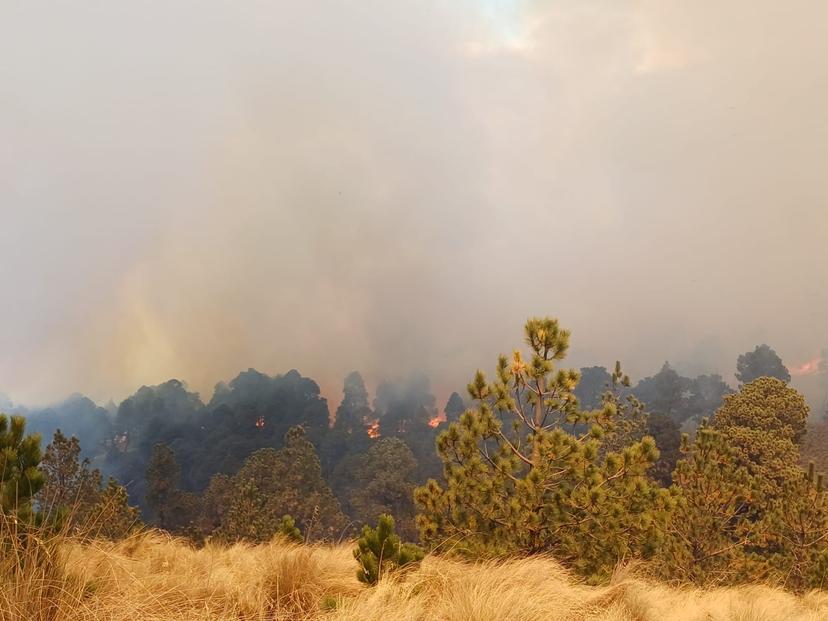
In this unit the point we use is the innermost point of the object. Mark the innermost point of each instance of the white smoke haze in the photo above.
(188, 189)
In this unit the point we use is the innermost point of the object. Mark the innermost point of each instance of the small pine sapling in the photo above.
(380, 551)
(289, 531)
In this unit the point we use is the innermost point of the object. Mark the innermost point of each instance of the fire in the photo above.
(811, 367)
(373, 430)
(436, 421)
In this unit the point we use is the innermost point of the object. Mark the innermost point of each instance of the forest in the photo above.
(708, 483)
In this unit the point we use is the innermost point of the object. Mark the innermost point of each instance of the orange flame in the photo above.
(373, 430)
(811, 367)
(433, 422)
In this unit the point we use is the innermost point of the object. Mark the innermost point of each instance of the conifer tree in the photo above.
(797, 525)
(70, 488)
(288, 530)
(764, 423)
(273, 483)
(112, 517)
(383, 483)
(763, 361)
(516, 482)
(455, 406)
(248, 518)
(349, 434)
(380, 551)
(715, 525)
(746, 513)
(667, 436)
(163, 474)
(72, 498)
(20, 476)
(216, 502)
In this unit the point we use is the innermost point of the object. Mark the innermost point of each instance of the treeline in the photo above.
(578, 463)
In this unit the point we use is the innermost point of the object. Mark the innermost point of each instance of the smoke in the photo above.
(195, 188)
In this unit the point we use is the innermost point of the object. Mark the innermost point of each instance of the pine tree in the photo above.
(516, 482)
(797, 539)
(163, 474)
(761, 362)
(273, 483)
(455, 406)
(216, 502)
(764, 423)
(349, 434)
(72, 498)
(382, 482)
(288, 529)
(248, 517)
(715, 525)
(112, 517)
(70, 488)
(380, 552)
(667, 436)
(746, 513)
(20, 476)
(172, 508)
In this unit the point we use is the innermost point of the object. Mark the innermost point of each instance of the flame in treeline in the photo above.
(374, 430)
(811, 367)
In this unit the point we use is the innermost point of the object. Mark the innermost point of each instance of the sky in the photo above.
(191, 188)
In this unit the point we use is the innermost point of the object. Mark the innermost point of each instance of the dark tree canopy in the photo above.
(667, 435)
(666, 393)
(163, 474)
(761, 362)
(455, 406)
(595, 381)
(76, 416)
(706, 394)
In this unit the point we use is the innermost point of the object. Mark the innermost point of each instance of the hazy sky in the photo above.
(192, 188)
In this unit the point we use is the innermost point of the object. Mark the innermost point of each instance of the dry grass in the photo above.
(151, 577)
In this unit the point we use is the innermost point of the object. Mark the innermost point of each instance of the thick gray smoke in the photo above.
(188, 188)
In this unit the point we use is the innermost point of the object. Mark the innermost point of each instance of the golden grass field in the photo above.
(153, 577)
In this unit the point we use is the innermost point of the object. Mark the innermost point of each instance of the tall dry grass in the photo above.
(153, 577)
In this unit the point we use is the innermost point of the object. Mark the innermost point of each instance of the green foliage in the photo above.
(272, 483)
(171, 508)
(382, 482)
(714, 524)
(797, 533)
(746, 512)
(216, 501)
(288, 530)
(379, 551)
(112, 517)
(20, 476)
(72, 499)
(764, 422)
(163, 473)
(70, 488)
(516, 482)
